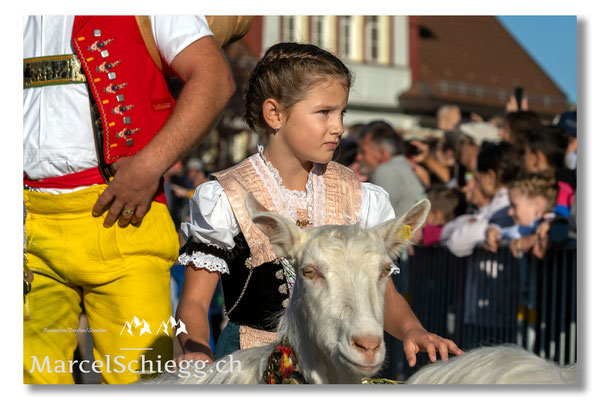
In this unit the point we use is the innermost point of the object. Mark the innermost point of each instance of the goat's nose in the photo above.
(366, 344)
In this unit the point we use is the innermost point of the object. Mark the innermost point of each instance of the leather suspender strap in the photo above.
(226, 29)
(143, 22)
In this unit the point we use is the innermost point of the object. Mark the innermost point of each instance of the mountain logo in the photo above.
(171, 323)
(134, 324)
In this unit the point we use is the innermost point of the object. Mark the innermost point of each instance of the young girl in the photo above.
(297, 95)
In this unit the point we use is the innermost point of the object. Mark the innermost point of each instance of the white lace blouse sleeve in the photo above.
(212, 224)
(375, 205)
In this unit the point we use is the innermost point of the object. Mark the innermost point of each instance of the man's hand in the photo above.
(418, 339)
(127, 197)
(492, 237)
(423, 150)
(180, 191)
(512, 106)
(207, 89)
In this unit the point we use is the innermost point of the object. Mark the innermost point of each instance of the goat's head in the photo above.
(341, 275)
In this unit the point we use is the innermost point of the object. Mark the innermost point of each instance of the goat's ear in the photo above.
(283, 234)
(396, 233)
(253, 206)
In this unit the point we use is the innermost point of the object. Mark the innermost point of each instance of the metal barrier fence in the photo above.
(490, 298)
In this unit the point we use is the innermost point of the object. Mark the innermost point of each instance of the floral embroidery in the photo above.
(104, 67)
(99, 44)
(126, 132)
(281, 366)
(119, 110)
(114, 87)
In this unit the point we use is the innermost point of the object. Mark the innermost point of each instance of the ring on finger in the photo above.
(127, 211)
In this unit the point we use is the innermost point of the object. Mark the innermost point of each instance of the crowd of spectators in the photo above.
(470, 171)
(509, 181)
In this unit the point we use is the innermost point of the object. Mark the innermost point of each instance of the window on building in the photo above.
(317, 31)
(372, 39)
(289, 29)
(344, 36)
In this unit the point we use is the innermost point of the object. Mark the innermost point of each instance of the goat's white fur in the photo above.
(507, 364)
(327, 315)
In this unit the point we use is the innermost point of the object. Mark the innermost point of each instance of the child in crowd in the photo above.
(497, 164)
(545, 150)
(446, 204)
(532, 198)
(297, 95)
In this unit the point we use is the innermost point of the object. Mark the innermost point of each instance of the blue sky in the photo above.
(552, 43)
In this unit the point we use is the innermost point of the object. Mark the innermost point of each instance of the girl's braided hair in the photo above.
(533, 185)
(285, 73)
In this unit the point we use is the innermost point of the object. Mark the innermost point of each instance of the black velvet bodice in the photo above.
(266, 294)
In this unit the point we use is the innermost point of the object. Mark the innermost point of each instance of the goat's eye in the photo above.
(308, 272)
(387, 269)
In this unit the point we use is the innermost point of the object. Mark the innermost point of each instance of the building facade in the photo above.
(406, 67)
(375, 48)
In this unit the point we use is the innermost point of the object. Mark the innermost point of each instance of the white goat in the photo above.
(334, 322)
(508, 364)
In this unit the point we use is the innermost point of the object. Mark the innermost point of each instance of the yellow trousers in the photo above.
(119, 277)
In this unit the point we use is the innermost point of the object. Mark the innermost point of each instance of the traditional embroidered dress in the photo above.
(221, 237)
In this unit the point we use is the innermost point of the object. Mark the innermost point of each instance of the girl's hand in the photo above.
(515, 248)
(541, 240)
(523, 244)
(418, 339)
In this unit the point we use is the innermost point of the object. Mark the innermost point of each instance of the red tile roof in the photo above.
(472, 61)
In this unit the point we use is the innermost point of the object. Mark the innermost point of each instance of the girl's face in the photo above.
(312, 127)
(524, 210)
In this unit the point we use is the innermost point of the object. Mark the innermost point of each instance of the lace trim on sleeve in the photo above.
(202, 260)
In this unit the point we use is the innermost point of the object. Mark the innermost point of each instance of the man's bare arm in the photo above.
(207, 89)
